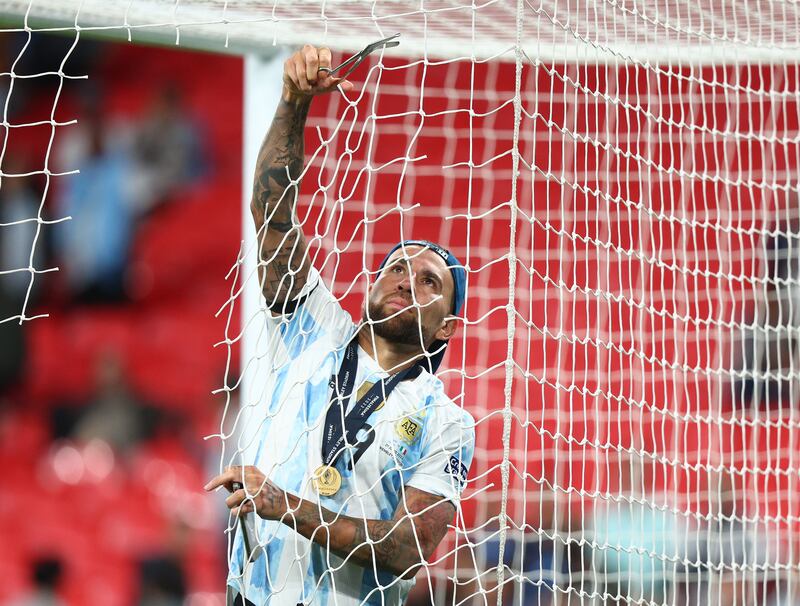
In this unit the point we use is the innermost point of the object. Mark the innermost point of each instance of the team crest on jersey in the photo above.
(408, 429)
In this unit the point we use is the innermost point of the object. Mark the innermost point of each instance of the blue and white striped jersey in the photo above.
(419, 438)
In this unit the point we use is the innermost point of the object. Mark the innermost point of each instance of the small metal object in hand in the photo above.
(353, 62)
(243, 523)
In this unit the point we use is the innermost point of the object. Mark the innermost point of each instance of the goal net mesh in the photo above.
(620, 180)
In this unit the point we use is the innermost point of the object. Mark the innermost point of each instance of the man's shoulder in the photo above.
(442, 406)
(316, 321)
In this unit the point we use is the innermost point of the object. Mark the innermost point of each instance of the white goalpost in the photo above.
(620, 181)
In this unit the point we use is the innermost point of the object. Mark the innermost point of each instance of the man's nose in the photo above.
(405, 283)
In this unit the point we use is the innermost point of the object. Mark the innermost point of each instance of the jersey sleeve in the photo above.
(317, 319)
(446, 456)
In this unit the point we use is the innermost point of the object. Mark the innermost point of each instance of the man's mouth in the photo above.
(399, 303)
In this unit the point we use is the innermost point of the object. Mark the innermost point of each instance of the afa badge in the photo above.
(408, 429)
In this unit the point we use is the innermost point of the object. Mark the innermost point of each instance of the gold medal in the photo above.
(327, 480)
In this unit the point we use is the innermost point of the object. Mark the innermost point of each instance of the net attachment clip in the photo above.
(353, 62)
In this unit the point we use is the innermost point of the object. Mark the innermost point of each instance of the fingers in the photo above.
(250, 491)
(300, 70)
(239, 503)
(311, 55)
(225, 479)
(324, 57)
(236, 499)
(328, 82)
(246, 507)
(302, 75)
(306, 67)
(235, 475)
(290, 74)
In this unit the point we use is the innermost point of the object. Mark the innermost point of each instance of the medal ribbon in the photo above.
(333, 438)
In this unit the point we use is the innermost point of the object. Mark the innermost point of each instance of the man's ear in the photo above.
(447, 330)
(367, 293)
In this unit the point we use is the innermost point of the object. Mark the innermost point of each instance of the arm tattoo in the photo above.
(385, 540)
(274, 182)
(282, 247)
(400, 545)
(283, 149)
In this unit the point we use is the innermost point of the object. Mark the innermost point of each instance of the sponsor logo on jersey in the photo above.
(457, 470)
(408, 429)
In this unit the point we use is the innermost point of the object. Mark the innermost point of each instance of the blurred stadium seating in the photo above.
(98, 512)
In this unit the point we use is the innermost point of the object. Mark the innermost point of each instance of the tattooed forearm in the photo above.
(273, 197)
(276, 187)
(280, 273)
(400, 545)
(386, 544)
(280, 159)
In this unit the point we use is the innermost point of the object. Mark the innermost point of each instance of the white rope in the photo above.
(511, 313)
(673, 225)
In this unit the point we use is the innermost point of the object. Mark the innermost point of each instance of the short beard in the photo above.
(403, 328)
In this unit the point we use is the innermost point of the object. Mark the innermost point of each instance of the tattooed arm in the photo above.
(283, 264)
(400, 545)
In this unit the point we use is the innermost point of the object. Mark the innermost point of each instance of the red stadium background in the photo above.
(637, 239)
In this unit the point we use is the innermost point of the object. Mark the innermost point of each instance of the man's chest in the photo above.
(391, 438)
(383, 447)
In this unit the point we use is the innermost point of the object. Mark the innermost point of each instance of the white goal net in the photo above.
(620, 181)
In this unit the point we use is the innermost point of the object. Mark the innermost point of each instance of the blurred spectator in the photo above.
(46, 573)
(768, 352)
(536, 558)
(162, 582)
(126, 170)
(536, 563)
(731, 548)
(29, 53)
(728, 545)
(636, 539)
(93, 247)
(167, 148)
(19, 204)
(13, 351)
(114, 414)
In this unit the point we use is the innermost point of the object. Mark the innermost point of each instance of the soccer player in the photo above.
(362, 457)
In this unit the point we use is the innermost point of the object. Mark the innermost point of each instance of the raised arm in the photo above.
(283, 264)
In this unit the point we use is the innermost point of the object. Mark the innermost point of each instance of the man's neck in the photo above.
(392, 357)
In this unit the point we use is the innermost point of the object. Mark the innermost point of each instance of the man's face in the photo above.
(411, 298)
